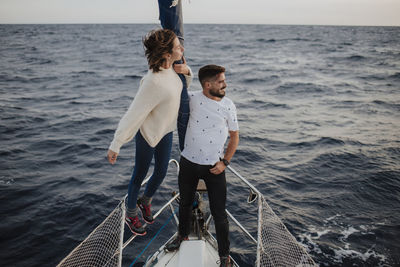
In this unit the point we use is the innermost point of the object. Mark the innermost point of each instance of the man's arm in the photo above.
(230, 151)
(232, 145)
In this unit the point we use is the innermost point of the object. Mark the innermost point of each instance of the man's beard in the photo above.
(218, 93)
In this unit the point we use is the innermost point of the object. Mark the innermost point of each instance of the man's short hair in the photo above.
(209, 72)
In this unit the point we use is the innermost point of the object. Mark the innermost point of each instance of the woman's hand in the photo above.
(112, 156)
(182, 68)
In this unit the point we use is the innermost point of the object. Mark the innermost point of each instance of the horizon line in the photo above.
(190, 23)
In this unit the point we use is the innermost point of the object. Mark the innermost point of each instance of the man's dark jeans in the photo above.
(188, 178)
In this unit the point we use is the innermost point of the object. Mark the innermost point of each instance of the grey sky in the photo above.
(316, 12)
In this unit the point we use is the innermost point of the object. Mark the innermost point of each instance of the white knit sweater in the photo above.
(154, 109)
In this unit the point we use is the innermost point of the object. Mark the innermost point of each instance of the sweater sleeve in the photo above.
(189, 77)
(144, 102)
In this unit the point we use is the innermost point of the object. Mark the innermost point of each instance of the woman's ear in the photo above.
(167, 56)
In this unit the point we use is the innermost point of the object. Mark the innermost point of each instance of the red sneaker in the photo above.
(135, 226)
(146, 211)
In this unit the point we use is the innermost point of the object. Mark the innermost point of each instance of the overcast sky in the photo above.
(315, 12)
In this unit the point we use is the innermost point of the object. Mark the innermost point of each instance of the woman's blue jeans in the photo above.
(143, 156)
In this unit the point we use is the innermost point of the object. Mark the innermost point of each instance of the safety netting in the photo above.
(103, 247)
(277, 247)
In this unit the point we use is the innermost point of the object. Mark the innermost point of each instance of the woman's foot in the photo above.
(146, 211)
(135, 225)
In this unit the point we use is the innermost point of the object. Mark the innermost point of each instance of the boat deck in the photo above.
(193, 253)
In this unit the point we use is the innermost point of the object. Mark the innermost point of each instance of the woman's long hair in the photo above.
(157, 43)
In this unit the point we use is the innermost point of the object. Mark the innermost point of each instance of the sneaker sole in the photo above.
(133, 232)
(147, 220)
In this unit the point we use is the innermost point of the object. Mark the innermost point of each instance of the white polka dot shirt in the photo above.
(209, 124)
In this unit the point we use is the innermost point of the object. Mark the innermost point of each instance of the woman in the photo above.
(152, 118)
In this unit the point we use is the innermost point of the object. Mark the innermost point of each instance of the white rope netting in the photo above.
(276, 245)
(103, 247)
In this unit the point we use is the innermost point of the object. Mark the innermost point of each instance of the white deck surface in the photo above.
(192, 253)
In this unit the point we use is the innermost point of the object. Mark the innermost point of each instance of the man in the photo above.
(212, 117)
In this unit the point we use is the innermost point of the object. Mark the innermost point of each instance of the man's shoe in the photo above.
(146, 211)
(135, 226)
(225, 262)
(175, 244)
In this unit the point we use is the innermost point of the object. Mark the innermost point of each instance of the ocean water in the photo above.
(319, 114)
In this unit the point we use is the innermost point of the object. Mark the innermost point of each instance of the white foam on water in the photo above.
(318, 233)
(310, 239)
(349, 231)
(307, 241)
(331, 218)
(6, 180)
(340, 254)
